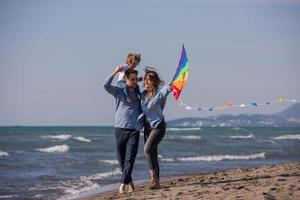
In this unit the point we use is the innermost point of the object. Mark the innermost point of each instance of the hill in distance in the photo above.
(287, 118)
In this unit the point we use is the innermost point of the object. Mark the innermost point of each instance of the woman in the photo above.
(153, 101)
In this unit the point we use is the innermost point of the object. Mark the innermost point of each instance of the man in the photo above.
(126, 114)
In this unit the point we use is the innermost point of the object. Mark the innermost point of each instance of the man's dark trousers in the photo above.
(127, 141)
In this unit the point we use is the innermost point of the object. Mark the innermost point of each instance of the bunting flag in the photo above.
(181, 74)
(229, 104)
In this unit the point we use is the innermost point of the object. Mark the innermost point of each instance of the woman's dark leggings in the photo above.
(152, 137)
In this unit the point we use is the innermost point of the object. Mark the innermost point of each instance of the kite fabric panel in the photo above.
(181, 74)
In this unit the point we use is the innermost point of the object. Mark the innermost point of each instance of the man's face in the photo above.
(132, 80)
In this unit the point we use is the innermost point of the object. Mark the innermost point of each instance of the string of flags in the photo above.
(229, 104)
(180, 79)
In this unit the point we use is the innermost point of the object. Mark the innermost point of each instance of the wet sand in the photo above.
(280, 181)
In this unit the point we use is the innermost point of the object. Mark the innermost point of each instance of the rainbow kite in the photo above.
(179, 81)
(181, 74)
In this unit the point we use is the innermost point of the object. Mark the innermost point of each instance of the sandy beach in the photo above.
(281, 181)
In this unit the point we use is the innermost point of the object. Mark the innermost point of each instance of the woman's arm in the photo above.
(165, 91)
(161, 95)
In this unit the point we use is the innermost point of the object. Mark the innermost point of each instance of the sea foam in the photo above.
(103, 175)
(184, 129)
(112, 162)
(8, 196)
(186, 137)
(242, 136)
(55, 149)
(191, 137)
(287, 137)
(161, 158)
(57, 137)
(82, 139)
(167, 159)
(223, 157)
(66, 137)
(3, 153)
(74, 191)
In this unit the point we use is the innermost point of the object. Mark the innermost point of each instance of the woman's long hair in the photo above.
(151, 73)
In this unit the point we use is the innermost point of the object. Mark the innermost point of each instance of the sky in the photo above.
(55, 55)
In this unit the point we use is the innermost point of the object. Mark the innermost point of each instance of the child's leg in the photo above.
(138, 92)
(122, 84)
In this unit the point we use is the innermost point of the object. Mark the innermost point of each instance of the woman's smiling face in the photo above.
(148, 82)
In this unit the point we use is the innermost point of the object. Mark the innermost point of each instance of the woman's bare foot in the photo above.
(131, 187)
(154, 181)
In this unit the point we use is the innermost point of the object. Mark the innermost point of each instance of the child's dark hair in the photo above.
(130, 71)
(135, 56)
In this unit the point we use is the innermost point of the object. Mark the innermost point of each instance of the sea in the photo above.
(75, 162)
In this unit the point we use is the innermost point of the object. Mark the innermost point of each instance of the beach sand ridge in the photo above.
(281, 181)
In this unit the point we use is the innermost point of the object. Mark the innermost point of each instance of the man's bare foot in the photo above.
(122, 189)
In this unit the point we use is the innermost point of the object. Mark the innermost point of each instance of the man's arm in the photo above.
(113, 90)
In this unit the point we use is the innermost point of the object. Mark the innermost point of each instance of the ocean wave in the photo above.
(161, 158)
(8, 196)
(287, 137)
(66, 137)
(242, 136)
(73, 190)
(191, 137)
(167, 159)
(3, 153)
(82, 139)
(55, 149)
(57, 137)
(112, 162)
(223, 157)
(38, 196)
(186, 137)
(103, 175)
(184, 129)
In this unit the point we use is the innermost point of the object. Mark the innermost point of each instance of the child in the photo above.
(132, 61)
